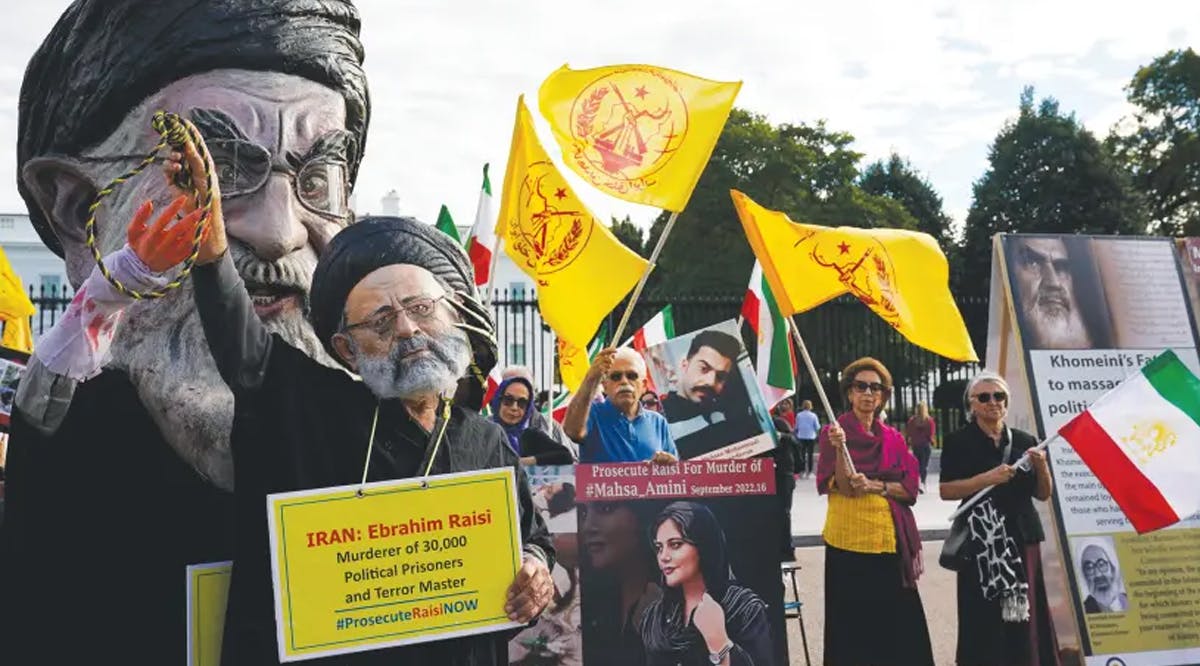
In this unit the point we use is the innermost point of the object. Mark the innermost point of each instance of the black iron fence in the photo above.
(50, 303)
(835, 333)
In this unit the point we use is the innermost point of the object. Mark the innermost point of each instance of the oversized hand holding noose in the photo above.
(190, 230)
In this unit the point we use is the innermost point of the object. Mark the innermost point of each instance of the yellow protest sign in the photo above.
(408, 561)
(207, 596)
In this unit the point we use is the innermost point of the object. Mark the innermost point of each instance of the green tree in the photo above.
(896, 179)
(1047, 174)
(628, 233)
(1160, 143)
(806, 171)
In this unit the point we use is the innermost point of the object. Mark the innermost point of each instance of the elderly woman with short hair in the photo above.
(1003, 619)
(873, 612)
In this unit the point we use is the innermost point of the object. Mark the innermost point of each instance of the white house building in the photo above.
(36, 266)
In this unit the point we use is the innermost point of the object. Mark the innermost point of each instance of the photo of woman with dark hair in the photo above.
(618, 571)
(704, 616)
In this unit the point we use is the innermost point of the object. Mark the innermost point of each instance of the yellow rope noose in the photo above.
(174, 132)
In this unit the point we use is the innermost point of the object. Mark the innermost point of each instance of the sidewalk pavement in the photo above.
(808, 512)
(937, 587)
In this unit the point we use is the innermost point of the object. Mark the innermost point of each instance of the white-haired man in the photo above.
(617, 429)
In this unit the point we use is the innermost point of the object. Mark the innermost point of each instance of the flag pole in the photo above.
(1021, 464)
(553, 367)
(637, 291)
(812, 370)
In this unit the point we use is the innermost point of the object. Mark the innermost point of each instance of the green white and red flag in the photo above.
(481, 243)
(1142, 441)
(775, 362)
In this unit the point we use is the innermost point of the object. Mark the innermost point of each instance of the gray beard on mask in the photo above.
(1056, 323)
(393, 376)
(161, 345)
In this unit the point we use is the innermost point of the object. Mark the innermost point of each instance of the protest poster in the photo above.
(648, 533)
(556, 639)
(207, 598)
(713, 404)
(363, 567)
(12, 368)
(1189, 261)
(1071, 317)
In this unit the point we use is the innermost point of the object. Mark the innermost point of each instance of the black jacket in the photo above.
(102, 515)
(299, 425)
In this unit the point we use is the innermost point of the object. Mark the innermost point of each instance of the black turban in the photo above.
(374, 242)
(104, 57)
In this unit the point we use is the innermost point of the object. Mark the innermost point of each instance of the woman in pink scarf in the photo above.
(872, 547)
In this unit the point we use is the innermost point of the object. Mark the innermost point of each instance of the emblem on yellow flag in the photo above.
(552, 232)
(573, 364)
(862, 266)
(637, 132)
(581, 270)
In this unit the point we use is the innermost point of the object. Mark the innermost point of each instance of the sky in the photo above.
(932, 80)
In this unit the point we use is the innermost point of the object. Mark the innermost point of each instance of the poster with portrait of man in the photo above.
(12, 368)
(1099, 573)
(1057, 292)
(706, 385)
(1070, 318)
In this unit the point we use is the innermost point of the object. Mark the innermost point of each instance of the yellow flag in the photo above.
(901, 275)
(573, 364)
(18, 335)
(580, 268)
(15, 309)
(640, 133)
(574, 360)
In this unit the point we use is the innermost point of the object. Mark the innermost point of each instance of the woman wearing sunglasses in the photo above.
(651, 402)
(512, 409)
(873, 612)
(1005, 619)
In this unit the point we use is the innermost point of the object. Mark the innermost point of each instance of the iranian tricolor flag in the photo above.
(493, 383)
(658, 330)
(1142, 441)
(481, 244)
(558, 411)
(775, 363)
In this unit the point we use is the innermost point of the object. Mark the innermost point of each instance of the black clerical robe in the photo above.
(299, 425)
(103, 518)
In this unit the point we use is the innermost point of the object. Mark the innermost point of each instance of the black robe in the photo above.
(670, 642)
(102, 520)
(299, 425)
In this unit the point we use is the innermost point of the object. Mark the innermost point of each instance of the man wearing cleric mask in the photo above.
(120, 470)
(394, 301)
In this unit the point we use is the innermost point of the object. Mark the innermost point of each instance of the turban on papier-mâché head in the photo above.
(104, 57)
(374, 242)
